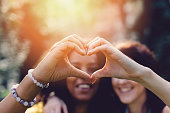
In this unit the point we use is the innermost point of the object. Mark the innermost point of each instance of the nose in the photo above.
(79, 80)
(122, 81)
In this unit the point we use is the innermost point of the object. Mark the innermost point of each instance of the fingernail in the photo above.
(85, 46)
(86, 50)
(93, 80)
(83, 52)
(89, 52)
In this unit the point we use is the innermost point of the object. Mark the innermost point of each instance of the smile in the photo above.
(125, 90)
(84, 86)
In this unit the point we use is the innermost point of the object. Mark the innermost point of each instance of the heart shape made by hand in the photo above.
(116, 63)
(58, 66)
(88, 64)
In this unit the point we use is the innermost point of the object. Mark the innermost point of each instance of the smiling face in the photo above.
(129, 91)
(79, 88)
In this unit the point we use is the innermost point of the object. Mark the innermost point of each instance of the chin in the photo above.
(126, 101)
(83, 98)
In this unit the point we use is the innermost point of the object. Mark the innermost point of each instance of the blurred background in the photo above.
(29, 27)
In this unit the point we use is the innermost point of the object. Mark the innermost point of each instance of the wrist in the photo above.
(37, 82)
(20, 100)
(144, 75)
(27, 90)
(38, 77)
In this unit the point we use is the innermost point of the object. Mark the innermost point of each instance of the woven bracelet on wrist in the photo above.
(21, 101)
(35, 81)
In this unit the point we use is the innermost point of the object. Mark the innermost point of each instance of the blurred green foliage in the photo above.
(158, 39)
(14, 51)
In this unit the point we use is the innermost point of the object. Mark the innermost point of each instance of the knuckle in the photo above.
(66, 43)
(101, 39)
(69, 38)
(90, 46)
(74, 35)
(105, 47)
(98, 37)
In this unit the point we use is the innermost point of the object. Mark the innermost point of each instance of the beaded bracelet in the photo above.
(35, 81)
(21, 101)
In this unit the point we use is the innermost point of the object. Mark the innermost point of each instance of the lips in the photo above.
(125, 89)
(84, 86)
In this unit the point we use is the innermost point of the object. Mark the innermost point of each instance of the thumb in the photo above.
(80, 74)
(98, 74)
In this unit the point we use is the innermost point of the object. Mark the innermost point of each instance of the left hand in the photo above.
(56, 66)
(55, 105)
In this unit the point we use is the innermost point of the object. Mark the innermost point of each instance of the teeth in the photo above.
(125, 89)
(84, 86)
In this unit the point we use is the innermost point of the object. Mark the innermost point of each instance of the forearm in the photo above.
(157, 85)
(27, 90)
(54, 67)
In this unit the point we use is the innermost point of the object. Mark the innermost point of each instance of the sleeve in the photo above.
(37, 108)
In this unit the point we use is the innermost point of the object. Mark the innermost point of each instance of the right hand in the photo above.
(55, 105)
(117, 64)
(56, 66)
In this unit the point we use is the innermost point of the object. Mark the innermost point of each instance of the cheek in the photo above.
(139, 90)
(70, 83)
(137, 87)
(114, 83)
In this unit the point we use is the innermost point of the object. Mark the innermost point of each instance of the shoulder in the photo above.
(166, 109)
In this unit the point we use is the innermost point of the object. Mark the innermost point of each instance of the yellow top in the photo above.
(37, 108)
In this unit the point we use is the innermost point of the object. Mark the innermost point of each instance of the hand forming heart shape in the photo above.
(117, 64)
(56, 66)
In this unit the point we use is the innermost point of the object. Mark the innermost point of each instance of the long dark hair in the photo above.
(102, 101)
(142, 55)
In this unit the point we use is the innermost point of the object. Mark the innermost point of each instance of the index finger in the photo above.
(72, 38)
(97, 43)
(80, 39)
